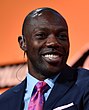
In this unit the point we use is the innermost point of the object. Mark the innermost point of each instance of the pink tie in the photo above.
(37, 100)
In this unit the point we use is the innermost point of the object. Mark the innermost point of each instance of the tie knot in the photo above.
(42, 86)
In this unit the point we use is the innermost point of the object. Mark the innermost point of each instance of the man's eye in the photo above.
(41, 35)
(62, 37)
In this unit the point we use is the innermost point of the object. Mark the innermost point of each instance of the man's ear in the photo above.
(22, 43)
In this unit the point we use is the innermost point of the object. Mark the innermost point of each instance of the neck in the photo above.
(35, 74)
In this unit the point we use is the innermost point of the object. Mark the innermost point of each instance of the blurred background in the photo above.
(13, 65)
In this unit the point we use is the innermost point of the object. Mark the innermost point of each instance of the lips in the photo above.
(52, 56)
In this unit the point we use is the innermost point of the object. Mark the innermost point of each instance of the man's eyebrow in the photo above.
(61, 29)
(41, 29)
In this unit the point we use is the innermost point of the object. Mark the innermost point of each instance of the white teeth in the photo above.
(51, 56)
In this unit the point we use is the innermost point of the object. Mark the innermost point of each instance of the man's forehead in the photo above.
(37, 12)
(43, 16)
(47, 18)
(41, 11)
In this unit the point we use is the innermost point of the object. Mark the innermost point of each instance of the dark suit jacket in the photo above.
(71, 91)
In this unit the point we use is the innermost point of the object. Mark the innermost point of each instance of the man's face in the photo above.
(47, 44)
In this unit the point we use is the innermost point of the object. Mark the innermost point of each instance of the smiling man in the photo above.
(45, 41)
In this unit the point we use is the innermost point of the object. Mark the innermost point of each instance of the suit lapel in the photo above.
(61, 87)
(18, 94)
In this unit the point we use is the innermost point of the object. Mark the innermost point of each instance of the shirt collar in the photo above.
(31, 82)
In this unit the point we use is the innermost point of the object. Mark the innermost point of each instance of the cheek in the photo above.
(66, 46)
(31, 45)
(36, 46)
(36, 43)
(32, 50)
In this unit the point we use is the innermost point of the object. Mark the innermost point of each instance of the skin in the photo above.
(46, 44)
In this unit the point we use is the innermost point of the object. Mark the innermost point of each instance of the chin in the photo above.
(51, 72)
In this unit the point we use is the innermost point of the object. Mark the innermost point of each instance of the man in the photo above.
(45, 41)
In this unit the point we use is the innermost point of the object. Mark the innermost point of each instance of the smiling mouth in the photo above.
(52, 58)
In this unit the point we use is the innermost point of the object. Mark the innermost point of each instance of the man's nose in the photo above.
(52, 41)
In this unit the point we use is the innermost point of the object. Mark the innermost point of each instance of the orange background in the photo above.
(12, 13)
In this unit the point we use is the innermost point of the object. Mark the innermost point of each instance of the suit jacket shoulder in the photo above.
(82, 73)
(12, 99)
(70, 90)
